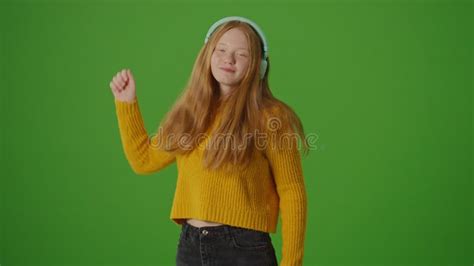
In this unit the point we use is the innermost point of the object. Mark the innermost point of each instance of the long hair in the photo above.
(246, 106)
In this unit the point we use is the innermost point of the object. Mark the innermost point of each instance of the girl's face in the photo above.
(230, 59)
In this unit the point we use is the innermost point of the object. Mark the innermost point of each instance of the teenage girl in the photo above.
(235, 146)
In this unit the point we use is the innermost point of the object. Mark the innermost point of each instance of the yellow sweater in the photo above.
(248, 198)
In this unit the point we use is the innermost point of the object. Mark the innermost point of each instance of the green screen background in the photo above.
(385, 85)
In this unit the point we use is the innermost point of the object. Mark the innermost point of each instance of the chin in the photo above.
(225, 81)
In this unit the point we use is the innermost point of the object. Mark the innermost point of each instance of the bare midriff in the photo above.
(201, 223)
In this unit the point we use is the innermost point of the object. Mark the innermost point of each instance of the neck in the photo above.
(225, 89)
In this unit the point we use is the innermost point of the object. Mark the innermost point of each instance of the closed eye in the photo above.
(242, 55)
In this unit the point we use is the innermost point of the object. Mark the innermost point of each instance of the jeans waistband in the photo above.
(214, 230)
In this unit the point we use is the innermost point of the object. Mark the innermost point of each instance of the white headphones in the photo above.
(263, 64)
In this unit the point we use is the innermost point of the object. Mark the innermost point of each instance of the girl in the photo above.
(235, 146)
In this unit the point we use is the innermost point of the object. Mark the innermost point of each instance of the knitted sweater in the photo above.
(249, 197)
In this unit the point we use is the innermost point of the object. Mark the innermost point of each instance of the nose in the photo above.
(228, 58)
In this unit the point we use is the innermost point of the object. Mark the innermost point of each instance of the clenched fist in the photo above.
(123, 86)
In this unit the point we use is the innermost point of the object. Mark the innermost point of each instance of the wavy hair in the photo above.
(246, 108)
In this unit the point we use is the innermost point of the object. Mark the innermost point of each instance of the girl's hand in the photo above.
(123, 86)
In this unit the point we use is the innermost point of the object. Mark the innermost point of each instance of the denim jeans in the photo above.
(224, 245)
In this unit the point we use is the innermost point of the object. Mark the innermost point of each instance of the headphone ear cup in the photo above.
(263, 68)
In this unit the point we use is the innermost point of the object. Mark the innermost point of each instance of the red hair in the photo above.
(247, 107)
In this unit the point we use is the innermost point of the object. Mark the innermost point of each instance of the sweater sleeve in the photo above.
(285, 162)
(141, 152)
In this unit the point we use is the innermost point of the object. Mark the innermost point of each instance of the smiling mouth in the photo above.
(228, 70)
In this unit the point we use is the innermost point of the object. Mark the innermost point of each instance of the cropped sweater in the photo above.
(250, 197)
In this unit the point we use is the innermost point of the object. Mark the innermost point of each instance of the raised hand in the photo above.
(123, 86)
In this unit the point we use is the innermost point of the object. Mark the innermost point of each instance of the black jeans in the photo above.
(224, 245)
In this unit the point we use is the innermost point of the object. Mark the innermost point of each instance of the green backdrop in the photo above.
(385, 85)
